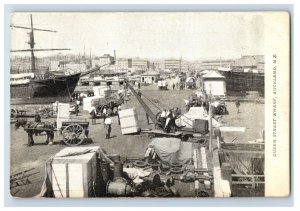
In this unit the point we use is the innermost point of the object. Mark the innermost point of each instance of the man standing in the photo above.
(107, 124)
(173, 86)
(93, 114)
(77, 107)
(104, 112)
(237, 104)
(119, 109)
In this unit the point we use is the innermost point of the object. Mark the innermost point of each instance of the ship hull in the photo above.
(58, 88)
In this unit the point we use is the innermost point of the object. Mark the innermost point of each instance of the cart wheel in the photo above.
(73, 134)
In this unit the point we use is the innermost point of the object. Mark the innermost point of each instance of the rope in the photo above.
(52, 170)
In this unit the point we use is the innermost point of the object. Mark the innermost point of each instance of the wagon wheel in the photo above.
(73, 134)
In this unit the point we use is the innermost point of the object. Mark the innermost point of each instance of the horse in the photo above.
(33, 127)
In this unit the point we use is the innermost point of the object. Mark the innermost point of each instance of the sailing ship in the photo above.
(40, 86)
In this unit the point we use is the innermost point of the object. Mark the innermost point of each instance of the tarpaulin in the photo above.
(136, 174)
(172, 150)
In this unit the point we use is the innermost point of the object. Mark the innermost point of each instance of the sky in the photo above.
(190, 35)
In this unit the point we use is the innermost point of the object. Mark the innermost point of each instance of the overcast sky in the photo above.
(146, 35)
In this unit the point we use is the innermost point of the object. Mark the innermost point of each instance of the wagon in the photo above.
(74, 132)
(111, 105)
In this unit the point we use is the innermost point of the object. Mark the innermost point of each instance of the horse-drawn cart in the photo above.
(73, 131)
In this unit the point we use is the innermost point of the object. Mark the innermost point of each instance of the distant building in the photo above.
(140, 64)
(149, 77)
(214, 83)
(184, 67)
(124, 63)
(105, 59)
(250, 62)
(216, 64)
(173, 64)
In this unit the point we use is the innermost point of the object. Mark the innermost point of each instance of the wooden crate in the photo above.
(88, 102)
(200, 126)
(129, 121)
(73, 176)
(63, 114)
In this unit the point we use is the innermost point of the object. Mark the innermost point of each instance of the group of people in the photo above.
(167, 120)
(201, 101)
(106, 113)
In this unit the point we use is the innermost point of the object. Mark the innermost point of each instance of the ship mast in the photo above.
(32, 43)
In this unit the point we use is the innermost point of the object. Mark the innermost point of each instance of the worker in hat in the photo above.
(93, 114)
(104, 112)
(107, 125)
(77, 107)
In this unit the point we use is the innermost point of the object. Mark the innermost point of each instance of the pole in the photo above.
(31, 43)
(210, 123)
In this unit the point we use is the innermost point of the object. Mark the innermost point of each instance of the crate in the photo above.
(63, 114)
(73, 176)
(200, 126)
(88, 102)
(129, 121)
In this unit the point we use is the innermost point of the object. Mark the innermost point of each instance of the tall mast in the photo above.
(31, 43)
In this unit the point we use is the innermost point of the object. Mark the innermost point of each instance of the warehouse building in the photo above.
(150, 77)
